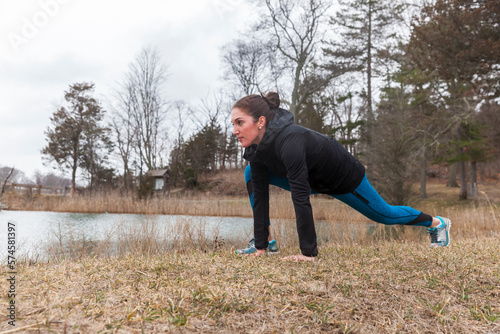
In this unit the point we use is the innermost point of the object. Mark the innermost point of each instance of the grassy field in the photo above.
(365, 280)
(382, 280)
(383, 287)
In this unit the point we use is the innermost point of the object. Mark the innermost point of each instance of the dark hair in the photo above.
(259, 105)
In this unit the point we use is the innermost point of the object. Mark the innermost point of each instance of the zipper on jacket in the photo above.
(364, 200)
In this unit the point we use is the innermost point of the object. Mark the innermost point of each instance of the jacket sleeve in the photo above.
(293, 155)
(260, 183)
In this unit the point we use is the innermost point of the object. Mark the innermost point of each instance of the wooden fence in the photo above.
(38, 189)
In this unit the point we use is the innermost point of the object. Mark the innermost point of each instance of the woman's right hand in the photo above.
(259, 252)
(297, 258)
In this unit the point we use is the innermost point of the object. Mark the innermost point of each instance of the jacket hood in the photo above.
(281, 120)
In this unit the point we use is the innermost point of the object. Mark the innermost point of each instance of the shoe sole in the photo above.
(447, 229)
(447, 224)
(243, 252)
(268, 252)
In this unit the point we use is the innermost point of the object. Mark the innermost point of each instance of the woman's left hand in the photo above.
(259, 252)
(297, 258)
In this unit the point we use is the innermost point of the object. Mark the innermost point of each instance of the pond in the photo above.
(34, 229)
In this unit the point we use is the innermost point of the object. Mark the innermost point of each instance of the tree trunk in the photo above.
(463, 181)
(73, 177)
(473, 179)
(370, 119)
(452, 176)
(423, 175)
(295, 92)
(463, 168)
(73, 184)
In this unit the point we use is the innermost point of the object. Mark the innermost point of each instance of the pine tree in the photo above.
(365, 44)
(77, 137)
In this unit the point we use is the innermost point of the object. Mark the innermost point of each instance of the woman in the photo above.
(303, 161)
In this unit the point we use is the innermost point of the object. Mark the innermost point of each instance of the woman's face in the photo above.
(246, 129)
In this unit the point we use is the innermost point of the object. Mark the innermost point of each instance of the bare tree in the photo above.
(124, 130)
(295, 25)
(148, 107)
(246, 64)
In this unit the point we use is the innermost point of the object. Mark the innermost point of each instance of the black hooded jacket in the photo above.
(309, 160)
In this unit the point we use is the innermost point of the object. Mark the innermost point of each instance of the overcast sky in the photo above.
(46, 45)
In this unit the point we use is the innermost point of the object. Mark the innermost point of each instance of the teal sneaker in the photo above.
(440, 235)
(272, 248)
(249, 249)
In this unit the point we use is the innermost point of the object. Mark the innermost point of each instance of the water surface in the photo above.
(35, 228)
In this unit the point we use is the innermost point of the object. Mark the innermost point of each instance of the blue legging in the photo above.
(364, 199)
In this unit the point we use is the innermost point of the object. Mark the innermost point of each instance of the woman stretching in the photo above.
(306, 162)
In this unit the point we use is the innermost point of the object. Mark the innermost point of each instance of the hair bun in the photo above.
(273, 99)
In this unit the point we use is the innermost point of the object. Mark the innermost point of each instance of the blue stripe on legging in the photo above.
(376, 209)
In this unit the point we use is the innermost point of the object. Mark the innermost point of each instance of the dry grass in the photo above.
(366, 280)
(114, 203)
(386, 287)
